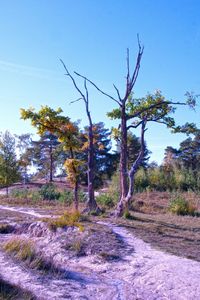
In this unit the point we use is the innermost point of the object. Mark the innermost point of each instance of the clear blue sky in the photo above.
(91, 36)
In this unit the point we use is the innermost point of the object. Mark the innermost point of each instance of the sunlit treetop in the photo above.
(154, 108)
(46, 119)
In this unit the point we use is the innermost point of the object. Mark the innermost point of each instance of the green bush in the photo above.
(105, 200)
(180, 206)
(49, 192)
(67, 197)
(20, 193)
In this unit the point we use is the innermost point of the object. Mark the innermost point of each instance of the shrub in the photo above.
(67, 197)
(67, 219)
(105, 200)
(49, 192)
(180, 206)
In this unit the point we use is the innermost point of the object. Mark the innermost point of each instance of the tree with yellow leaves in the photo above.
(47, 119)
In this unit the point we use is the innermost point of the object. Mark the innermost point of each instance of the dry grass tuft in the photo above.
(66, 220)
(24, 250)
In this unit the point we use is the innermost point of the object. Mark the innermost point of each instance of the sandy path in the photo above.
(144, 273)
(156, 275)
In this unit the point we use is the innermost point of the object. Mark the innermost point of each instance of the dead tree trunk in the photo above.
(122, 102)
(123, 162)
(125, 201)
(91, 202)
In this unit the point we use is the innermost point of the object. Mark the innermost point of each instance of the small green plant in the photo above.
(67, 197)
(180, 206)
(127, 214)
(105, 200)
(49, 192)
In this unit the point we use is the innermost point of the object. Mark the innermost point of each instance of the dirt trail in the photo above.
(144, 273)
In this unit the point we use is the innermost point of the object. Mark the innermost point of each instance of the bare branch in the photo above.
(134, 126)
(128, 68)
(117, 92)
(86, 90)
(102, 92)
(76, 100)
(72, 79)
(130, 82)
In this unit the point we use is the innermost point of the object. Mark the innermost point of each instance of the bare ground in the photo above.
(109, 260)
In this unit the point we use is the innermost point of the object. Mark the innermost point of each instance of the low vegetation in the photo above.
(48, 192)
(24, 250)
(66, 220)
(180, 206)
(10, 292)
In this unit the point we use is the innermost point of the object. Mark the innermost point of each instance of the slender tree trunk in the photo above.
(51, 164)
(76, 185)
(123, 165)
(91, 202)
(76, 196)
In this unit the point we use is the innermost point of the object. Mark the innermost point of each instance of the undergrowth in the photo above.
(66, 220)
(24, 250)
(10, 292)
(180, 206)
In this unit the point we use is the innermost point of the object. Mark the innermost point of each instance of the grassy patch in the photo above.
(66, 220)
(24, 250)
(180, 206)
(178, 235)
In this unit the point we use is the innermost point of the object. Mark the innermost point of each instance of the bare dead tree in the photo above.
(127, 177)
(121, 101)
(91, 202)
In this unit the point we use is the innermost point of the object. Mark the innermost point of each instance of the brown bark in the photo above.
(51, 164)
(91, 202)
(124, 202)
(130, 82)
(123, 156)
(76, 202)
